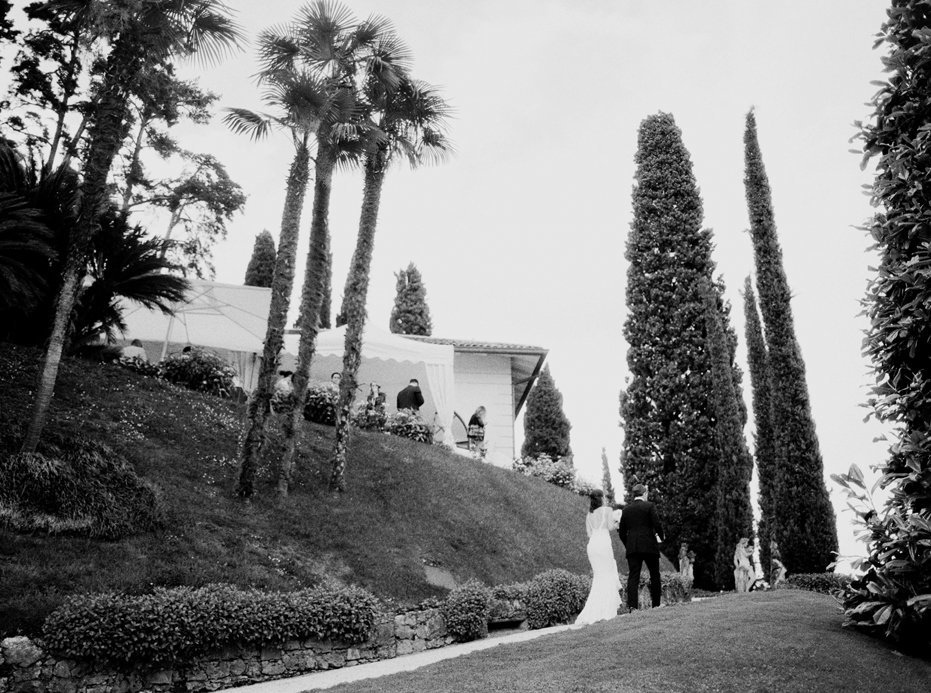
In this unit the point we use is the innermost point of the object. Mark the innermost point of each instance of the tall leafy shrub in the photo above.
(410, 314)
(261, 267)
(546, 428)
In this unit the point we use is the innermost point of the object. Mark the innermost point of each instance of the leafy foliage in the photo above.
(559, 472)
(466, 611)
(606, 485)
(138, 365)
(199, 369)
(554, 597)
(670, 438)
(546, 428)
(805, 525)
(172, 625)
(261, 267)
(408, 424)
(893, 596)
(320, 404)
(410, 314)
(825, 583)
(81, 488)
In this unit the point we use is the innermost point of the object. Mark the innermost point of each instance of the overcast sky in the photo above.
(521, 236)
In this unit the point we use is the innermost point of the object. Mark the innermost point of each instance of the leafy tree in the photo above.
(546, 428)
(733, 512)
(606, 484)
(410, 314)
(261, 267)
(892, 598)
(805, 528)
(670, 440)
(7, 32)
(297, 99)
(765, 450)
(406, 121)
(141, 34)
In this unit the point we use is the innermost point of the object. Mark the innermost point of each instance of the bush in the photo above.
(559, 472)
(320, 404)
(674, 590)
(466, 610)
(138, 365)
(554, 597)
(371, 416)
(825, 583)
(85, 489)
(408, 424)
(171, 625)
(199, 370)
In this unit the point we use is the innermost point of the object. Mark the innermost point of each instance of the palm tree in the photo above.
(326, 40)
(143, 34)
(299, 102)
(410, 124)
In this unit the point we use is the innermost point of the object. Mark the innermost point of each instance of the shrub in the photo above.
(466, 610)
(371, 415)
(104, 353)
(84, 488)
(320, 404)
(199, 369)
(560, 472)
(556, 596)
(138, 365)
(171, 625)
(674, 590)
(508, 602)
(408, 424)
(825, 583)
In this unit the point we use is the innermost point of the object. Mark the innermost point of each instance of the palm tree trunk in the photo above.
(105, 143)
(354, 298)
(311, 300)
(257, 410)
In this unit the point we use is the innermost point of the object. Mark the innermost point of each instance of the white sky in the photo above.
(521, 236)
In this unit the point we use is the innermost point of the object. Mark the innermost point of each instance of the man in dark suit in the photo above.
(410, 397)
(641, 531)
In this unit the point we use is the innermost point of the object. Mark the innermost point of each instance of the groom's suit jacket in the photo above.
(639, 526)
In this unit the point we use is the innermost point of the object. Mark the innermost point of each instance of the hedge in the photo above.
(177, 624)
(825, 583)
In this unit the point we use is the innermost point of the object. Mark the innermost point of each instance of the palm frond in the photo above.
(242, 121)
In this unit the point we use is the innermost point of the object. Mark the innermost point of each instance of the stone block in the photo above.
(384, 633)
(352, 654)
(404, 632)
(272, 668)
(20, 651)
(61, 686)
(387, 651)
(419, 645)
(399, 620)
(436, 626)
(269, 653)
(237, 667)
(334, 659)
(217, 670)
(61, 669)
(405, 647)
(292, 645)
(410, 618)
(196, 673)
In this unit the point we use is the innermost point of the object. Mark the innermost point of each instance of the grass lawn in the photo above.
(788, 640)
(407, 505)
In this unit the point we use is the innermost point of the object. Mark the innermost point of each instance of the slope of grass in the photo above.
(787, 640)
(407, 505)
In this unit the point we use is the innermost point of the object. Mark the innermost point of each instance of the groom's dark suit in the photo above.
(639, 527)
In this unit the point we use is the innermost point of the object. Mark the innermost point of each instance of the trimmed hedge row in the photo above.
(825, 583)
(171, 625)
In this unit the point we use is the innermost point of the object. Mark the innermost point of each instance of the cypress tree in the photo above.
(765, 448)
(806, 531)
(410, 314)
(669, 441)
(261, 267)
(546, 428)
(606, 484)
(733, 512)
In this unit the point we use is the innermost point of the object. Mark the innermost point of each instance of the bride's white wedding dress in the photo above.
(605, 595)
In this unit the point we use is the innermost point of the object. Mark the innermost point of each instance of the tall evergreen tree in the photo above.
(261, 267)
(765, 436)
(734, 511)
(806, 531)
(546, 428)
(606, 484)
(669, 424)
(893, 596)
(410, 314)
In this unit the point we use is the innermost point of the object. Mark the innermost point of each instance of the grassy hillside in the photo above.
(408, 505)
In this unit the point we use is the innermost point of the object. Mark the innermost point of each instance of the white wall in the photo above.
(485, 379)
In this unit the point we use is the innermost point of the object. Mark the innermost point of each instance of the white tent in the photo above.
(391, 361)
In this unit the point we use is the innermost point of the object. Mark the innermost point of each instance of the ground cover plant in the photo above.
(782, 640)
(408, 504)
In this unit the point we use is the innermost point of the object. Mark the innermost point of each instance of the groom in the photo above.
(640, 529)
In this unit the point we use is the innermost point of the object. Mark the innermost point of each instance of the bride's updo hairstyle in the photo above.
(597, 498)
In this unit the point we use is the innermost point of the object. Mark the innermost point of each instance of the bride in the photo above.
(605, 596)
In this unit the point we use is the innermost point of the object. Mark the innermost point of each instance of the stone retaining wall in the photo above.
(25, 667)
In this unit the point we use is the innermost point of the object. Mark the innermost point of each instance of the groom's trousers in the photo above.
(635, 562)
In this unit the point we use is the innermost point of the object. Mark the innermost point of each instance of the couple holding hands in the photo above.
(641, 531)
